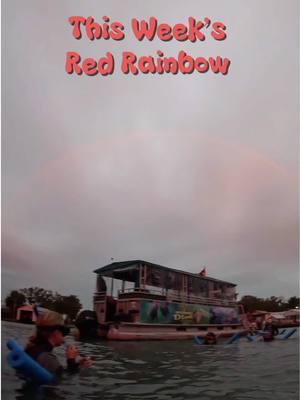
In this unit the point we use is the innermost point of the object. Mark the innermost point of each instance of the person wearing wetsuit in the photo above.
(50, 332)
(270, 330)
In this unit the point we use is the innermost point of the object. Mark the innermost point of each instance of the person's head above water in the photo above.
(210, 338)
(269, 319)
(50, 328)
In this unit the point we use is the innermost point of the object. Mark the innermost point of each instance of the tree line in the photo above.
(69, 305)
(270, 304)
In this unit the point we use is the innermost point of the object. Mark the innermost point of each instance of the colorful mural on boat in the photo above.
(172, 313)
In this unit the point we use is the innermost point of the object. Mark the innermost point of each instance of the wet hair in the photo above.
(40, 337)
(210, 336)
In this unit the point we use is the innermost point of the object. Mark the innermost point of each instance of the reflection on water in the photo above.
(167, 370)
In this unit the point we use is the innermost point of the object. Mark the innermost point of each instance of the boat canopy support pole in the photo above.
(143, 275)
(112, 287)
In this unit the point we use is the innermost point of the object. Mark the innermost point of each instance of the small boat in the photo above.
(154, 302)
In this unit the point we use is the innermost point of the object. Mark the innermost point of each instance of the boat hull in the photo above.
(136, 332)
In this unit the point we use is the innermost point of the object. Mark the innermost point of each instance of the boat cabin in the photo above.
(142, 292)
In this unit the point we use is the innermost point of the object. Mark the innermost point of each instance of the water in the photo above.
(171, 370)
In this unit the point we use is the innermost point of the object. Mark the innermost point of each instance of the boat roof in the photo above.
(123, 265)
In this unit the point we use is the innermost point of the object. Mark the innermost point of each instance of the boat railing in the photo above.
(142, 293)
(99, 296)
(200, 300)
(176, 296)
(142, 290)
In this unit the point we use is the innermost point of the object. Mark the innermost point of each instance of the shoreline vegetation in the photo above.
(70, 305)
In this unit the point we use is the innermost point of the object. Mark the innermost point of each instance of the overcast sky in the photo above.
(182, 170)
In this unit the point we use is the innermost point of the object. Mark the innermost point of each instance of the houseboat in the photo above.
(139, 300)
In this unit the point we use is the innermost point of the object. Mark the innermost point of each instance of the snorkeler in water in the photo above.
(269, 330)
(50, 332)
(210, 338)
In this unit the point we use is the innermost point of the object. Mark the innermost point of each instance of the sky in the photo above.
(181, 170)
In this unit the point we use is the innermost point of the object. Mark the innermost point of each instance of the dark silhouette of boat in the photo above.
(87, 324)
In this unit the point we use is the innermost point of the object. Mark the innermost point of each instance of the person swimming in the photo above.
(50, 333)
(210, 338)
(252, 329)
(269, 330)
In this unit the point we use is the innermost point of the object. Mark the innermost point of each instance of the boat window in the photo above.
(197, 287)
(169, 280)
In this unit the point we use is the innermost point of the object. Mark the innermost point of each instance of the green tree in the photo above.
(69, 305)
(14, 300)
(41, 297)
(251, 303)
(293, 302)
(271, 304)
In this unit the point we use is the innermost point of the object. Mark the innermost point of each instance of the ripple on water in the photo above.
(168, 370)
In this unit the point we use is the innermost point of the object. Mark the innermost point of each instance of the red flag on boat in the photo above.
(203, 273)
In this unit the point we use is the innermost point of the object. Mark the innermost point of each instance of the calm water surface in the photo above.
(172, 370)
